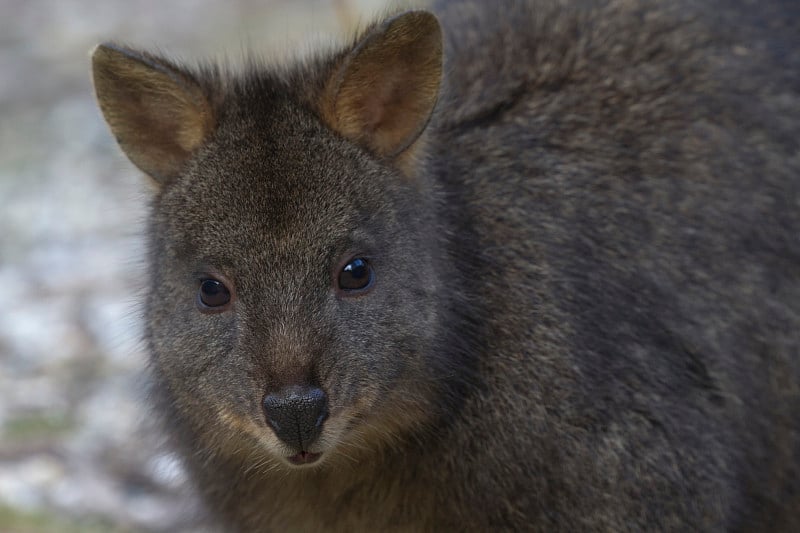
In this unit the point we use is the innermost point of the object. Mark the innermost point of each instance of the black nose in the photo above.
(296, 415)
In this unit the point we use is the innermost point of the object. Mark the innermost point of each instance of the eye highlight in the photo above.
(213, 295)
(356, 277)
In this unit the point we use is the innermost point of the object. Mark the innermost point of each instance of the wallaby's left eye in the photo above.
(356, 276)
(213, 295)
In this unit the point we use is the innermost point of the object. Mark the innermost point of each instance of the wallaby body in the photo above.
(552, 283)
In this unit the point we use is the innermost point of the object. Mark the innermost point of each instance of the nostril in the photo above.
(296, 414)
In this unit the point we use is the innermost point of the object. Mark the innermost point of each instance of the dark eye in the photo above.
(213, 293)
(356, 275)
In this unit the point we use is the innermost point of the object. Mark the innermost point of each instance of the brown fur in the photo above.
(158, 114)
(587, 297)
(383, 94)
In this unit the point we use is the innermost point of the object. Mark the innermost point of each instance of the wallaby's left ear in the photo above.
(157, 111)
(384, 92)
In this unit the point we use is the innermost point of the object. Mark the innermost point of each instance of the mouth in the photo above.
(304, 458)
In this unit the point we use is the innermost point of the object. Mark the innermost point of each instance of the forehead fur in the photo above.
(274, 167)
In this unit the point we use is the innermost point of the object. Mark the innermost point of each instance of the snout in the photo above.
(296, 415)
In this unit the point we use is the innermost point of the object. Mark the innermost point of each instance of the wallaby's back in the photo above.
(637, 182)
(559, 291)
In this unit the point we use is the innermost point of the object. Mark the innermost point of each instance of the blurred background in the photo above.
(78, 450)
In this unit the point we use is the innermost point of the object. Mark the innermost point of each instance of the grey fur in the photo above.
(586, 314)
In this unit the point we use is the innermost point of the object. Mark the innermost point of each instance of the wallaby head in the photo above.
(296, 302)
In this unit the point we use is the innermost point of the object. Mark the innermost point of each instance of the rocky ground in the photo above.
(77, 449)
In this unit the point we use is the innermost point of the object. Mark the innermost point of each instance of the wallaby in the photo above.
(494, 266)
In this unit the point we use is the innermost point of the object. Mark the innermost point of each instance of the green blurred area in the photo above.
(16, 521)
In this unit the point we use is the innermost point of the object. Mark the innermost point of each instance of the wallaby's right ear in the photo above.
(158, 113)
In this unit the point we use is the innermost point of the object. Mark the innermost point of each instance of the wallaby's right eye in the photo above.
(356, 276)
(213, 295)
